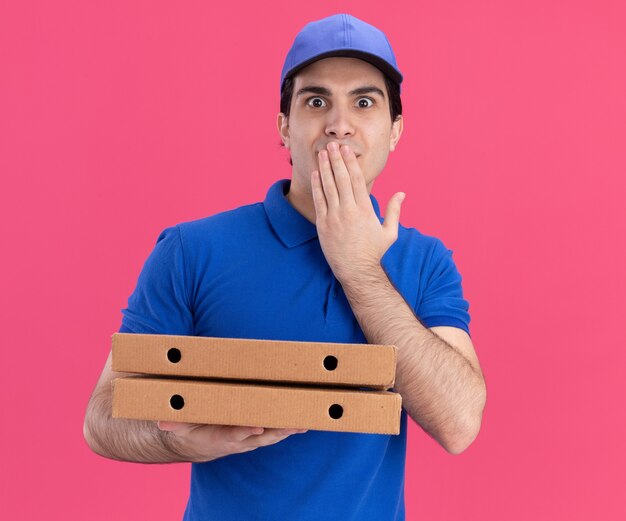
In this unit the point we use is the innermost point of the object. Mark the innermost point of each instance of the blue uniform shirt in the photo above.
(258, 271)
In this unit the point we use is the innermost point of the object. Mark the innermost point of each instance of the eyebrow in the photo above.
(323, 91)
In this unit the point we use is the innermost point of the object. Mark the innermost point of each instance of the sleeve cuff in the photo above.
(445, 321)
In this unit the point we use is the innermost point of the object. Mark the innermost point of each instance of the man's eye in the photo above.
(316, 102)
(364, 103)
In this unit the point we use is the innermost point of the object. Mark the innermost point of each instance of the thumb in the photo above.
(392, 215)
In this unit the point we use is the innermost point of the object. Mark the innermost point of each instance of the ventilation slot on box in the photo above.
(174, 355)
(177, 402)
(335, 411)
(330, 363)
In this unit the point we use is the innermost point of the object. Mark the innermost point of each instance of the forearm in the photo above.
(440, 389)
(127, 440)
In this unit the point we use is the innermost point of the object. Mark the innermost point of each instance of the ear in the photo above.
(282, 122)
(396, 131)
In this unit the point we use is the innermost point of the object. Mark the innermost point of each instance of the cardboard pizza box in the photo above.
(257, 405)
(356, 365)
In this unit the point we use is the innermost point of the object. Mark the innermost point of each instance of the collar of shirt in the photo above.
(291, 227)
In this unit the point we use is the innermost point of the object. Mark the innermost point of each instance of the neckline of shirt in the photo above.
(291, 227)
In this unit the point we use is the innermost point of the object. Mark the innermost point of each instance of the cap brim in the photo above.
(377, 62)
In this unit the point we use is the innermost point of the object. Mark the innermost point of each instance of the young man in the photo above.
(314, 261)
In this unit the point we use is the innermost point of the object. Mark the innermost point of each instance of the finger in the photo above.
(357, 180)
(341, 174)
(392, 214)
(238, 433)
(171, 426)
(271, 436)
(288, 432)
(328, 180)
(319, 199)
(292, 431)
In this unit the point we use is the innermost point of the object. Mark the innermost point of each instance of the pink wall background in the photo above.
(118, 119)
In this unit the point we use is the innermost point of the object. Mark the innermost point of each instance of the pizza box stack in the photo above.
(258, 383)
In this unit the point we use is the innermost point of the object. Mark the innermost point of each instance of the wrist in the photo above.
(176, 446)
(361, 276)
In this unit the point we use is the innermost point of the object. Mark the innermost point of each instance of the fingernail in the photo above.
(332, 146)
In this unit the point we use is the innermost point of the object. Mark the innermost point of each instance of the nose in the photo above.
(339, 123)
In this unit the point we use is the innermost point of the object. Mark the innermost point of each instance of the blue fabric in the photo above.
(340, 35)
(258, 272)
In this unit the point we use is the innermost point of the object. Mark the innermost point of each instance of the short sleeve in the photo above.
(160, 303)
(442, 302)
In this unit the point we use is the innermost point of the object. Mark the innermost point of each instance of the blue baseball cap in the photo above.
(340, 35)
